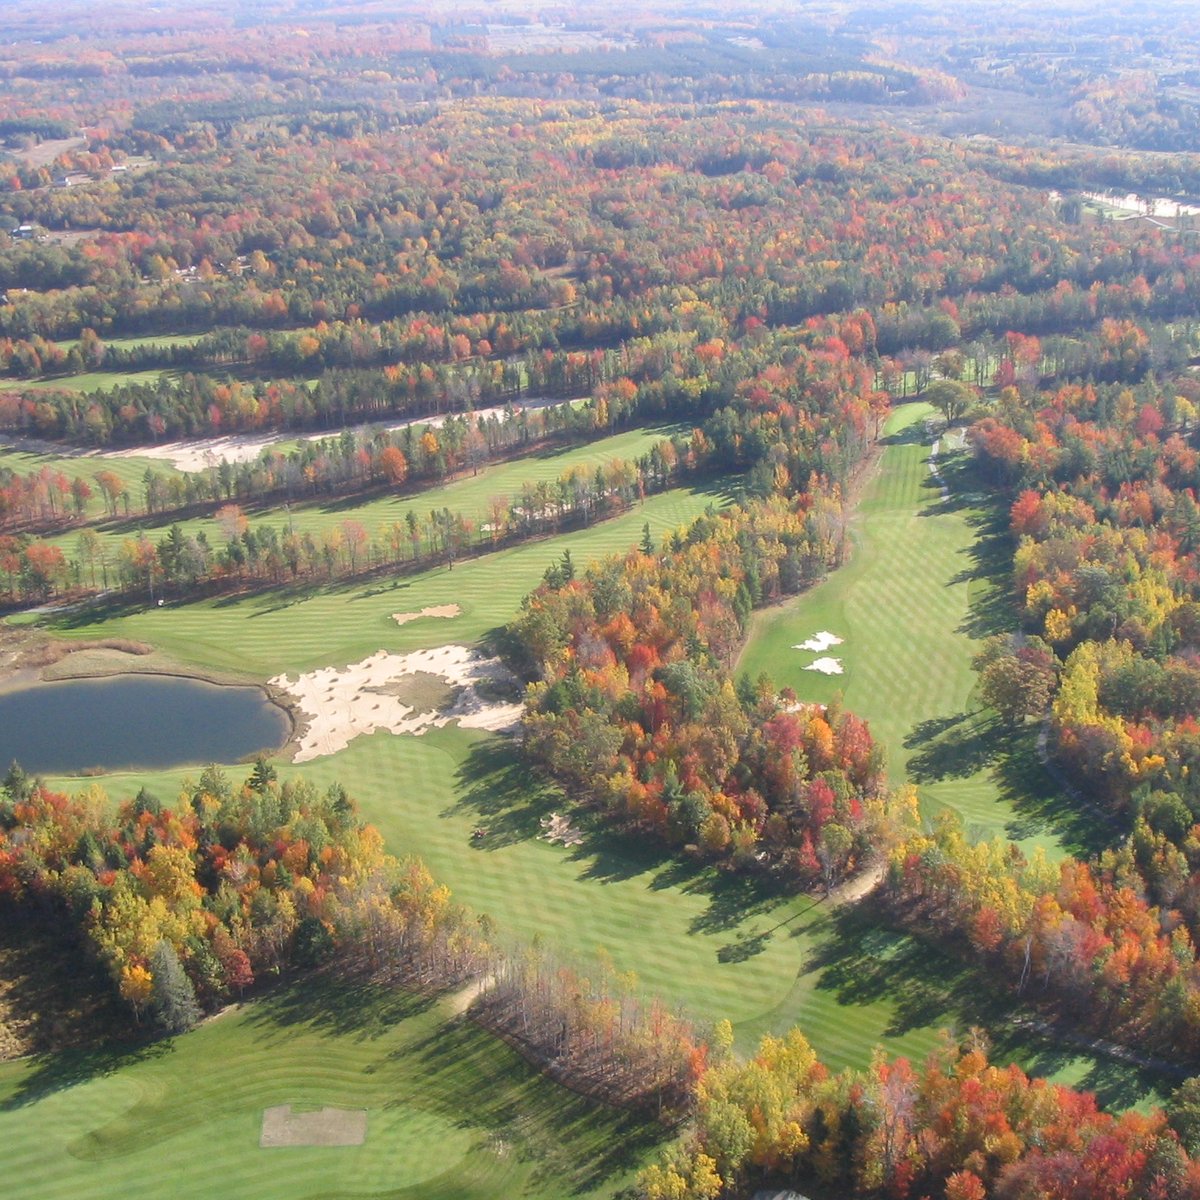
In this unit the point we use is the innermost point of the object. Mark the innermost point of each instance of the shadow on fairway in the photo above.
(343, 1007)
(955, 747)
(569, 1140)
(1042, 806)
(50, 1073)
(866, 963)
(962, 745)
(503, 794)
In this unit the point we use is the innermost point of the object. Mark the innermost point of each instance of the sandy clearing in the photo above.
(819, 642)
(461, 1000)
(338, 704)
(444, 611)
(201, 453)
(827, 666)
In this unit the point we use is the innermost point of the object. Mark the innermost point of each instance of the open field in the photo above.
(469, 495)
(157, 340)
(90, 381)
(452, 1112)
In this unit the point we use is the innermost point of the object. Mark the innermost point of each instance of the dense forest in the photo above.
(271, 275)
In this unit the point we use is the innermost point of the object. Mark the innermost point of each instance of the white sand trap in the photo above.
(827, 666)
(339, 704)
(819, 642)
(445, 611)
(325, 1127)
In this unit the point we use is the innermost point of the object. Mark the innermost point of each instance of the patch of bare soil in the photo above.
(283, 1126)
(29, 654)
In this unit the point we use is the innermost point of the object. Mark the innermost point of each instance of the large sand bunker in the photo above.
(325, 1127)
(337, 704)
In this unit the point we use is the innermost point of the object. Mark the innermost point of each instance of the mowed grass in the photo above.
(925, 584)
(155, 341)
(296, 630)
(452, 1112)
(471, 495)
(92, 381)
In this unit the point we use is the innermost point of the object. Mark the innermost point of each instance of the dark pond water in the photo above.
(135, 721)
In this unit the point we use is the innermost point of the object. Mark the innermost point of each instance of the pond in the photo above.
(127, 722)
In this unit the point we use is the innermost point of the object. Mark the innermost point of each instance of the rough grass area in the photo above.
(452, 1113)
(420, 691)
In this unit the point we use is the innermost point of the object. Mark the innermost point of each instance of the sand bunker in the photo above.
(200, 453)
(557, 828)
(338, 704)
(819, 642)
(445, 611)
(325, 1127)
(827, 666)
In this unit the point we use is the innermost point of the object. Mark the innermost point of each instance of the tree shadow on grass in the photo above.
(1043, 807)
(864, 963)
(567, 1139)
(955, 747)
(1118, 1085)
(50, 1073)
(342, 1007)
(497, 788)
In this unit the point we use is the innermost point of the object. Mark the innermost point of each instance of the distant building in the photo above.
(23, 233)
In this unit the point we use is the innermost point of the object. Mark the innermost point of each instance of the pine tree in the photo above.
(172, 997)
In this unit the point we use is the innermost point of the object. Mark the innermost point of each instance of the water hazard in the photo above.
(135, 721)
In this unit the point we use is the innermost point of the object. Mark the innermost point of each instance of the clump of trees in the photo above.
(187, 905)
(956, 1128)
(634, 707)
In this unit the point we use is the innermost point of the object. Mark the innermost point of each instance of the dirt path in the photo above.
(461, 1000)
(861, 885)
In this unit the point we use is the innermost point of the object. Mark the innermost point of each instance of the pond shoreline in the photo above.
(29, 659)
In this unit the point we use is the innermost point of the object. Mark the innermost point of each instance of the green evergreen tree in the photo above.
(172, 997)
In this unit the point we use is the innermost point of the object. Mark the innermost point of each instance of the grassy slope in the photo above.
(469, 494)
(451, 1112)
(264, 634)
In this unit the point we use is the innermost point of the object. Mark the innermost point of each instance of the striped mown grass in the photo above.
(295, 630)
(131, 471)
(924, 584)
(452, 1112)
